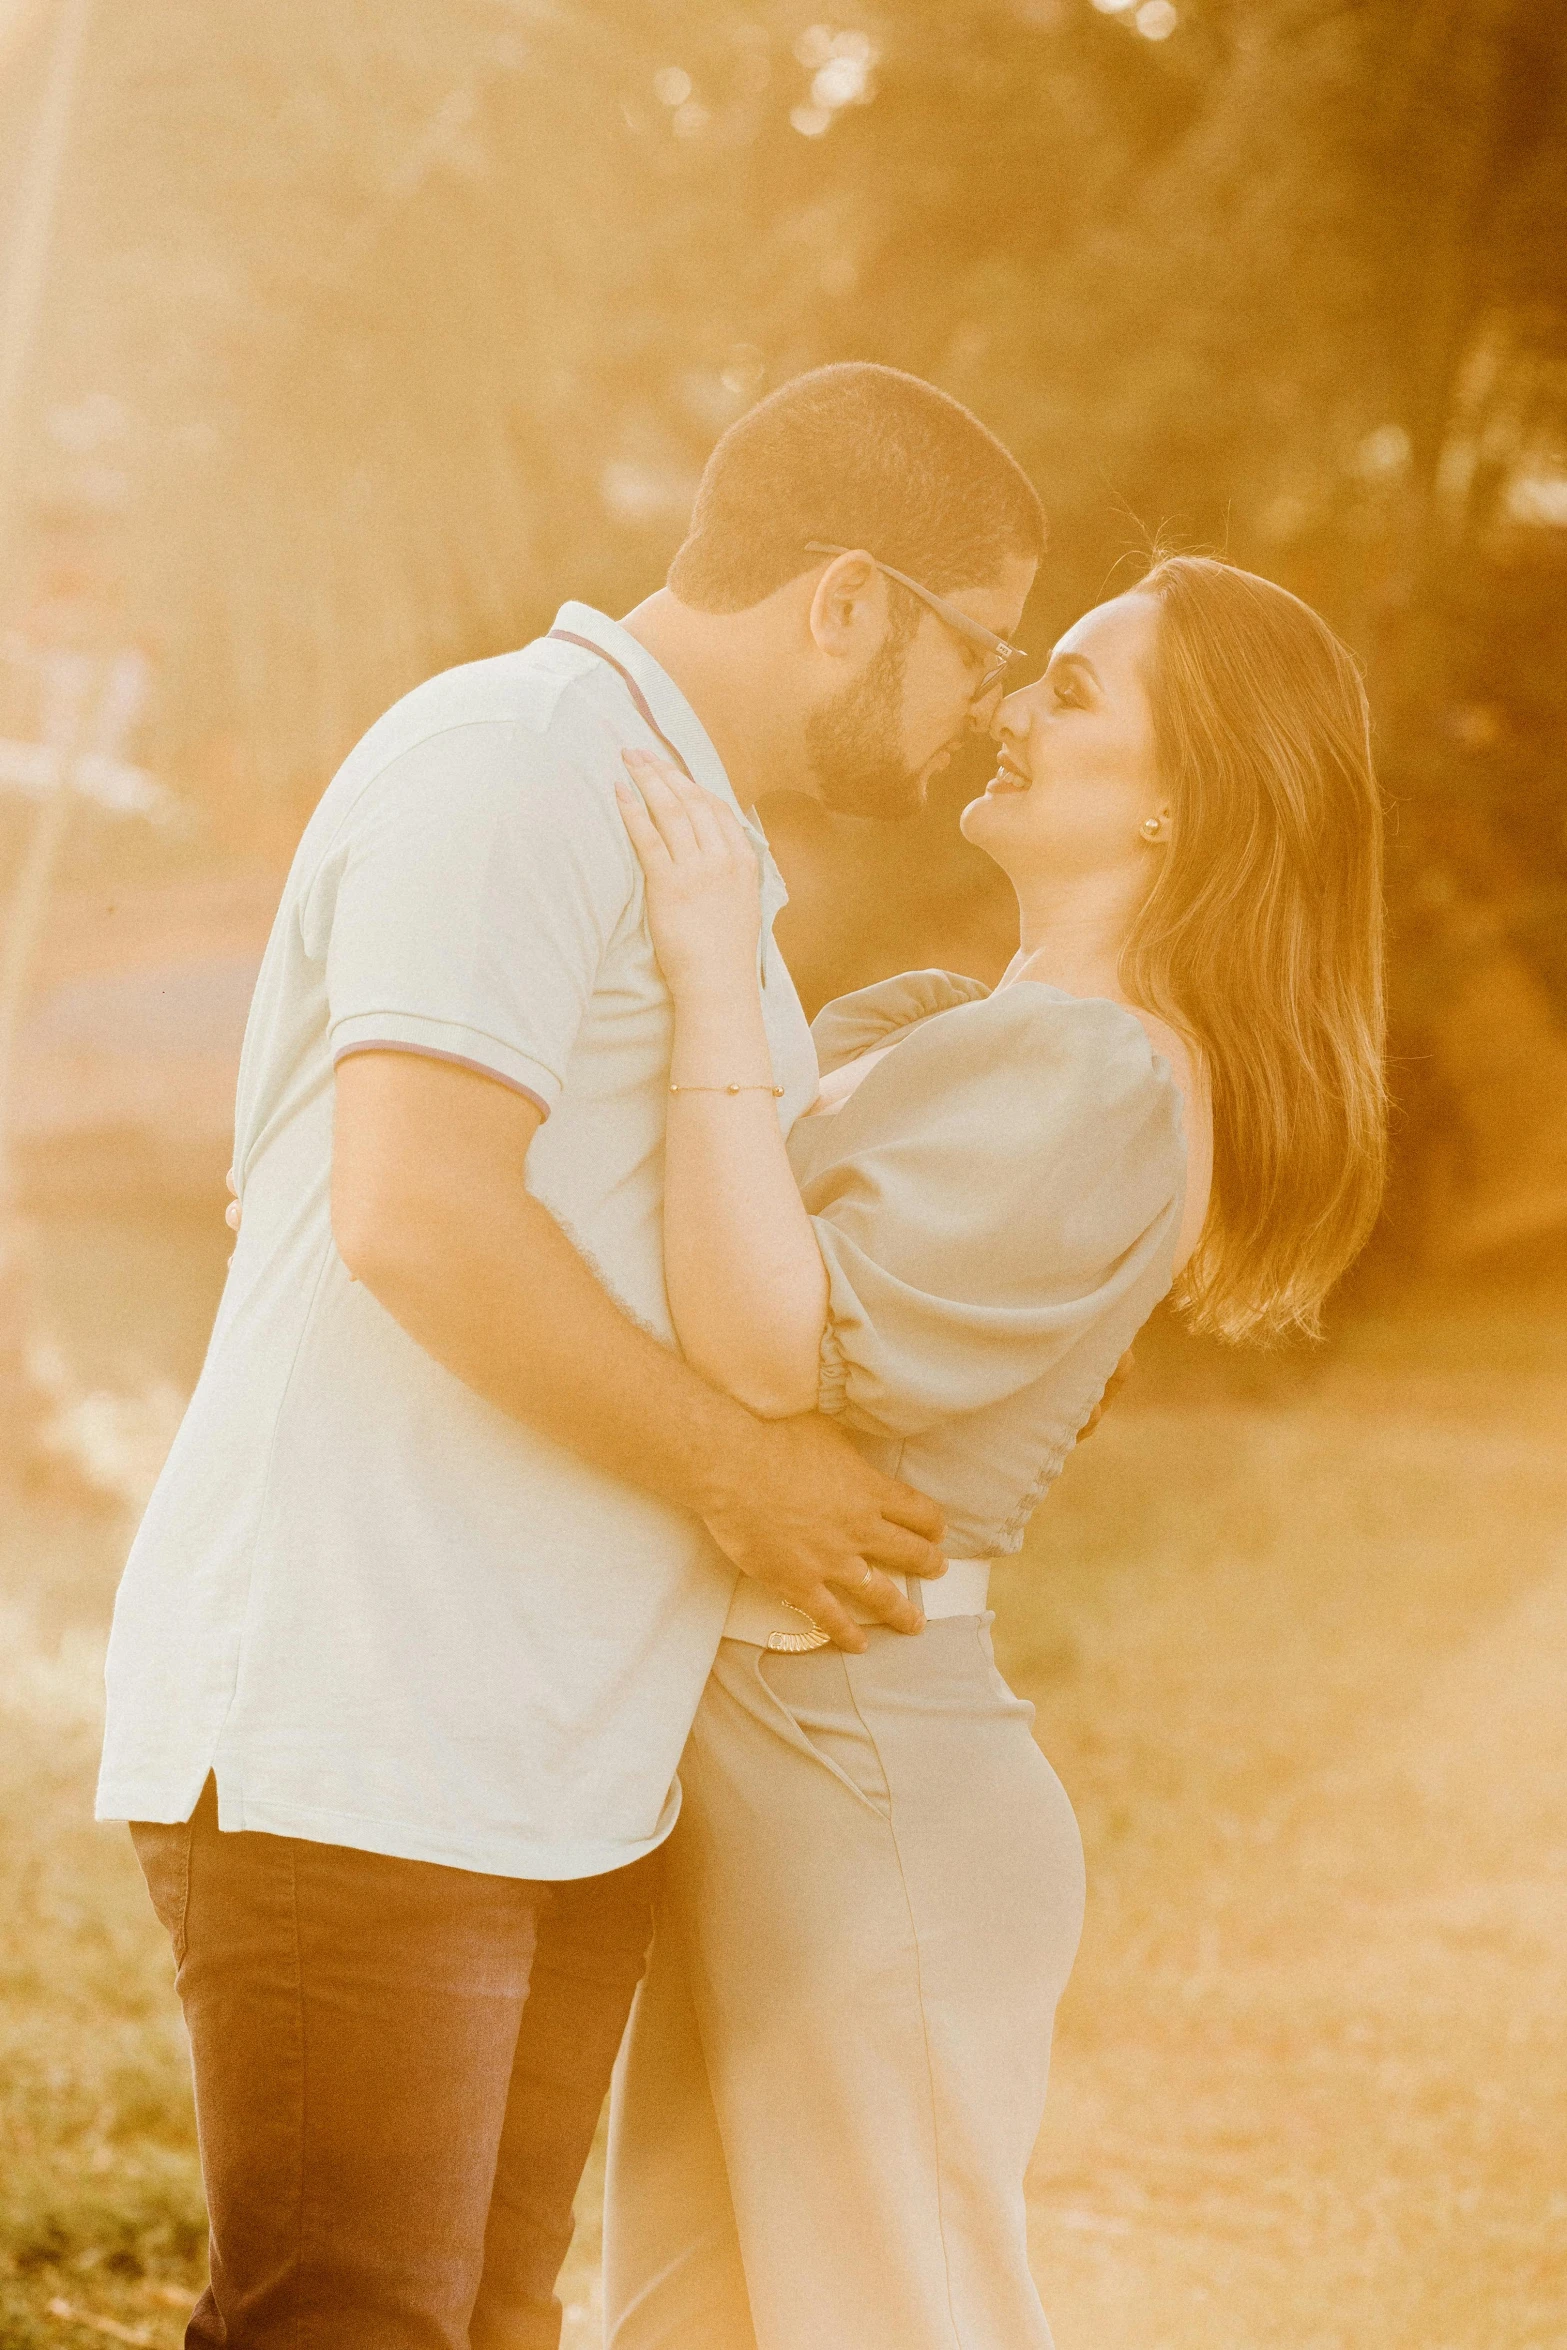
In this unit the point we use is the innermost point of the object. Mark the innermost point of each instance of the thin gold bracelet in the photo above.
(775, 1090)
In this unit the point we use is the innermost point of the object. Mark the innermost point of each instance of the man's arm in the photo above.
(430, 1212)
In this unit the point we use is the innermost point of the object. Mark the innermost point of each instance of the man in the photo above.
(411, 1637)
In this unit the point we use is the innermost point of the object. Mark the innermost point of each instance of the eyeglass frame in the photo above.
(1002, 654)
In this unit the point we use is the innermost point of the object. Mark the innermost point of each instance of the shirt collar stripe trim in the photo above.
(567, 636)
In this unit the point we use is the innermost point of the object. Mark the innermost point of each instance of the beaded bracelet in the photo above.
(775, 1090)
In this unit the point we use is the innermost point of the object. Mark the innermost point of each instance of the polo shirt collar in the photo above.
(685, 730)
(668, 704)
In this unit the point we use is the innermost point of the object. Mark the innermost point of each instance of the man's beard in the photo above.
(852, 743)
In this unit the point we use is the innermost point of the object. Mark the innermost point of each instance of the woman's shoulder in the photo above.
(1088, 1038)
(1024, 1114)
(1089, 1061)
(872, 1016)
(1024, 1070)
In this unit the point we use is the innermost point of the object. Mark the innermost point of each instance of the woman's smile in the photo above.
(1009, 775)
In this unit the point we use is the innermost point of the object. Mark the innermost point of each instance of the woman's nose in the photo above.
(1011, 716)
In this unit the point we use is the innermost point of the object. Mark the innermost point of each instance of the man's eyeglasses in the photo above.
(1002, 655)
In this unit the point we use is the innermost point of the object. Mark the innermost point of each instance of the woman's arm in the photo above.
(747, 1286)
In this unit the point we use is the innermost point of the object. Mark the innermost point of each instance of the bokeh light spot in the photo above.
(840, 65)
(1156, 20)
(1382, 453)
(814, 46)
(743, 369)
(841, 82)
(1538, 499)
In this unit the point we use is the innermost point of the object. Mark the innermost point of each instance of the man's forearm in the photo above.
(430, 1211)
(494, 1290)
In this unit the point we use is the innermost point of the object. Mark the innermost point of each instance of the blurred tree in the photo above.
(425, 316)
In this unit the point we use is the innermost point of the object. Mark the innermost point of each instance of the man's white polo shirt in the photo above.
(382, 1612)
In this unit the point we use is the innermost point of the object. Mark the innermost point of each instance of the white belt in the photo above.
(761, 1617)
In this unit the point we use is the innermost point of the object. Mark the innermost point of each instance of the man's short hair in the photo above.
(857, 456)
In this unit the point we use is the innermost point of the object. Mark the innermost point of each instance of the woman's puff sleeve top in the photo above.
(997, 1205)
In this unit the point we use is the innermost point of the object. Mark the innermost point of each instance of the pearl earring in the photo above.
(1150, 828)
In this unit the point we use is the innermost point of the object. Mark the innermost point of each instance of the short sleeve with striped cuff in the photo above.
(467, 904)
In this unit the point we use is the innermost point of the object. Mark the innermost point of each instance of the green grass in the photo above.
(100, 2194)
(1294, 1629)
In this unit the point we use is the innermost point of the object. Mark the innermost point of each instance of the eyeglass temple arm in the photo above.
(975, 630)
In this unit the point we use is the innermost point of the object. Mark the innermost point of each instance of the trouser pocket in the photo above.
(813, 1691)
(163, 1850)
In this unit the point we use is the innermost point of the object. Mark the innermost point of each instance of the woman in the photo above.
(836, 2072)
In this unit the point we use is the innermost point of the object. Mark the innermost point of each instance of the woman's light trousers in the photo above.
(836, 2068)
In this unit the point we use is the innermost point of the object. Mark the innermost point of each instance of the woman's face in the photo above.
(1077, 777)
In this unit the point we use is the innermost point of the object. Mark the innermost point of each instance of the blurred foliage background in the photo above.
(372, 332)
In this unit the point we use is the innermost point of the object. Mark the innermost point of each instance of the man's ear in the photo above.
(848, 611)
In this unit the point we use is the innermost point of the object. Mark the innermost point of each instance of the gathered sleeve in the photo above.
(1007, 1177)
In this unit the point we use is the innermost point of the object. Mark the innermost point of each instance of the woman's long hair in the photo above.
(1262, 938)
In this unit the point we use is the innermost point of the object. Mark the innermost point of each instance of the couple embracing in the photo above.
(570, 1575)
